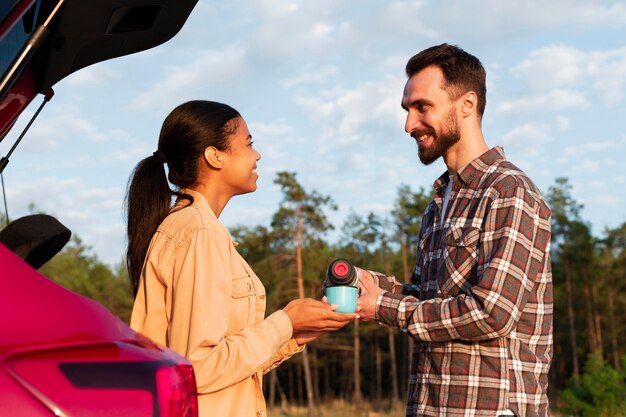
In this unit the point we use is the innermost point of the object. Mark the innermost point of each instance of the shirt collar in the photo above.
(471, 173)
(203, 205)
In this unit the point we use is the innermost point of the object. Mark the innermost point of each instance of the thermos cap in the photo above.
(341, 272)
(341, 268)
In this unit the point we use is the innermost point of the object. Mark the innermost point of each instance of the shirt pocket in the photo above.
(243, 297)
(460, 259)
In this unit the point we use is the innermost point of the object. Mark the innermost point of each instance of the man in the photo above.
(479, 305)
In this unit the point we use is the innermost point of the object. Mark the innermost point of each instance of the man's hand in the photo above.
(368, 294)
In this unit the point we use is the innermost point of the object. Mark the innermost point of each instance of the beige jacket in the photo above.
(199, 297)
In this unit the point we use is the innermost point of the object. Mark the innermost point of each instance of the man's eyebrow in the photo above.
(416, 102)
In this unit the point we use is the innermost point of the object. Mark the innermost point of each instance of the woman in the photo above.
(194, 292)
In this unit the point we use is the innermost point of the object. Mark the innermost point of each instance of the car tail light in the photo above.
(176, 391)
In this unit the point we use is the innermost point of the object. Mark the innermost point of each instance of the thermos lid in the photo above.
(341, 268)
(341, 272)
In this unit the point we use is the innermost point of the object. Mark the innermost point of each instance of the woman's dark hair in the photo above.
(462, 71)
(186, 132)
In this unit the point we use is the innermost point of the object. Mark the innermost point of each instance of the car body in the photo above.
(61, 353)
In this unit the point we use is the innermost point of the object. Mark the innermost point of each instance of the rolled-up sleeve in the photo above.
(514, 238)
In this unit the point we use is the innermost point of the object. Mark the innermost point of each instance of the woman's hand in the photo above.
(313, 316)
(306, 337)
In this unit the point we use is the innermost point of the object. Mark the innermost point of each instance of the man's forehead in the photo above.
(427, 83)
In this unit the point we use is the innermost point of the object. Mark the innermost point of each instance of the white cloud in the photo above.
(502, 20)
(345, 113)
(588, 148)
(409, 18)
(550, 101)
(59, 126)
(562, 123)
(272, 9)
(528, 139)
(551, 67)
(268, 130)
(93, 75)
(209, 67)
(300, 25)
(587, 166)
(564, 66)
(270, 139)
(93, 213)
(314, 76)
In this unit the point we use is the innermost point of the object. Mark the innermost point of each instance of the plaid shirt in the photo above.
(479, 305)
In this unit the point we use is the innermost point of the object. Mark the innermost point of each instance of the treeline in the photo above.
(369, 361)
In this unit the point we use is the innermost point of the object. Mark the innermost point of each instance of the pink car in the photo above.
(61, 353)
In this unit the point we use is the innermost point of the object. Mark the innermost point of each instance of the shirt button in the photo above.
(249, 286)
(262, 296)
(433, 270)
(260, 413)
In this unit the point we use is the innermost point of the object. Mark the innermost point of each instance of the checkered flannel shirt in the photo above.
(479, 305)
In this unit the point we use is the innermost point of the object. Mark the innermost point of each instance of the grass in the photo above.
(337, 408)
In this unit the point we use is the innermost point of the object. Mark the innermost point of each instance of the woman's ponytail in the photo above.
(148, 200)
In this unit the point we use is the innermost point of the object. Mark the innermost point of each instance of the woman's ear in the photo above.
(213, 157)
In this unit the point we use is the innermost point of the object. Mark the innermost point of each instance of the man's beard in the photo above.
(440, 143)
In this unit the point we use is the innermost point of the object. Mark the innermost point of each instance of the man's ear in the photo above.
(469, 103)
(213, 157)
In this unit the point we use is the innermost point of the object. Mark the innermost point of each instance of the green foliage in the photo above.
(407, 214)
(78, 269)
(600, 393)
(299, 204)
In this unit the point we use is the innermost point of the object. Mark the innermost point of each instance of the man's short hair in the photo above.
(463, 72)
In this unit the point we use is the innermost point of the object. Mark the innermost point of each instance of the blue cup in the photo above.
(344, 296)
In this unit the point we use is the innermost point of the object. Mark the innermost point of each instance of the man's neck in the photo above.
(468, 148)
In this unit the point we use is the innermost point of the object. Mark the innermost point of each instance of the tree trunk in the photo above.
(293, 381)
(591, 325)
(357, 365)
(395, 391)
(379, 374)
(597, 318)
(316, 374)
(572, 322)
(614, 345)
(272, 396)
(405, 261)
(299, 394)
(305, 356)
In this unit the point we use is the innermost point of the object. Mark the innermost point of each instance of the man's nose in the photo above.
(412, 123)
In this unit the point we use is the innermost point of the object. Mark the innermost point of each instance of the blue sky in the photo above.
(320, 84)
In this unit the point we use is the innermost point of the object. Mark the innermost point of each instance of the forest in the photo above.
(366, 363)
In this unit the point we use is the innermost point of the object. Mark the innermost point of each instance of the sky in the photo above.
(319, 84)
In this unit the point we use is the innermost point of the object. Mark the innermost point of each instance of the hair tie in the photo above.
(160, 155)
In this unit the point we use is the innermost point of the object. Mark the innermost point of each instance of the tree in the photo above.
(613, 249)
(407, 214)
(565, 211)
(78, 269)
(298, 221)
(601, 391)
